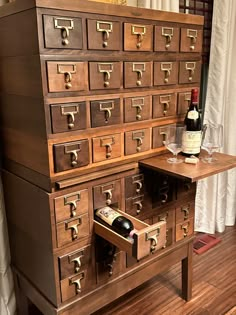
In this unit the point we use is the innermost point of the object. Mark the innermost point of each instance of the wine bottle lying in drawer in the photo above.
(145, 240)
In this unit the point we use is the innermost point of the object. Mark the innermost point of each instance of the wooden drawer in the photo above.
(106, 147)
(168, 217)
(137, 141)
(137, 74)
(164, 105)
(66, 76)
(72, 230)
(185, 212)
(73, 263)
(191, 40)
(105, 75)
(189, 72)
(105, 112)
(134, 185)
(138, 37)
(185, 188)
(166, 38)
(146, 240)
(137, 108)
(71, 205)
(68, 117)
(165, 73)
(107, 194)
(184, 99)
(71, 155)
(104, 35)
(184, 229)
(62, 32)
(134, 205)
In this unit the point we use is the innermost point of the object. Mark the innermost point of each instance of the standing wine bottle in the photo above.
(116, 221)
(193, 134)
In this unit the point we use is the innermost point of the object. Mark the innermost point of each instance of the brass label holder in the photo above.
(106, 107)
(192, 34)
(105, 28)
(65, 29)
(168, 32)
(138, 103)
(74, 228)
(165, 100)
(74, 154)
(107, 142)
(138, 136)
(190, 66)
(67, 74)
(70, 115)
(106, 68)
(152, 236)
(72, 200)
(140, 31)
(139, 68)
(107, 191)
(166, 67)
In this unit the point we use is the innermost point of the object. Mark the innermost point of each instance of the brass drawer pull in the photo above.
(185, 210)
(106, 107)
(140, 31)
(139, 206)
(138, 136)
(77, 283)
(150, 236)
(164, 197)
(77, 262)
(163, 217)
(107, 191)
(192, 34)
(137, 180)
(70, 115)
(138, 103)
(165, 100)
(107, 142)
(139, 68)
(72, 203)
(166, 67)
(168, 33)
(105, 31)
(185, 229)
(106, 69)
(190, 66)
(74, 228)
(67, 74)
(65, 30)
(74, 154)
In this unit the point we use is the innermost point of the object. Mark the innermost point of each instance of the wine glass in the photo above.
(212, 138)
(173, 135)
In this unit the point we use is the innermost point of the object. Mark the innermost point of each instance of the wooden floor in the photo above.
(214, 286)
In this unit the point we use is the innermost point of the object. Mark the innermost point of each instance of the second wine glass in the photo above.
(212, 140)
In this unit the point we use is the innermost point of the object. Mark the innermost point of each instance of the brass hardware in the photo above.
(164, 197)
(138, 202)
(163, 217)
(106, 107)
(77, 262)
(187, 186)
(107, 191)
(163, 133)
(72, 203)
(166, 67)
(138, 103)
(107, 142)
(106, 68)
(70, 115)
(139, 68)
(186, 212)
(74, 154)
(168, 33)
(165, 101)
(138, 179)
(150, 236)
(190, 66)
(67, 74)
(74, 228)
(105, 31)
(185, 228)
(77, 283)
(65, 30)
(140, 31)
(192, 34)
(138, 136)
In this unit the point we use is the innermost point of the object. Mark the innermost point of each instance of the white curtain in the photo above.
(216, 195)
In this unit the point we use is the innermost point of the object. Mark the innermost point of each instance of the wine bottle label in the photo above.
(107, 214)
(193, 114)
(191, 142)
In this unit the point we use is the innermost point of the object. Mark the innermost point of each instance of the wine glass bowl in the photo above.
(212, 138)
(173, 135)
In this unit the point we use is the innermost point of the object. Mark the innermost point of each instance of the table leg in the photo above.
(187, 271)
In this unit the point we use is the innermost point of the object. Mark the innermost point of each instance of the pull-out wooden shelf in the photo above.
(193, 172)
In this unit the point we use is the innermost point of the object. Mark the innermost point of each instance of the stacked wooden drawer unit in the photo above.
(85, 89)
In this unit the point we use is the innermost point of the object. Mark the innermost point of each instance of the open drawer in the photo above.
(147, 239)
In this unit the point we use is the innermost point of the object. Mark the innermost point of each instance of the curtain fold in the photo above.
(216, 195)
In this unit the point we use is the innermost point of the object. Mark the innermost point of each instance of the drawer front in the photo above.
(134, 185)
(106, 147)
(68, 117)
(165, 73)
(107, 194)
(169, 218)
(134, 205)
(137, 108)
(138, 37)
(185, 212)
(185, 188)
(166, 39)
(105, 75)
(184, 99)
(71, 205)
(63, 32)
(64, 76)
(138, 74)
(105, 112)
(104, 35)
(75, 262)
(137, 141)
(164, 105)
(72, 230)
(71, 155)
(184, 229)
(191, 40)
(189, 72)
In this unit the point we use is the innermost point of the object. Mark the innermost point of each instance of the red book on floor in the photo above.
(204, 242)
